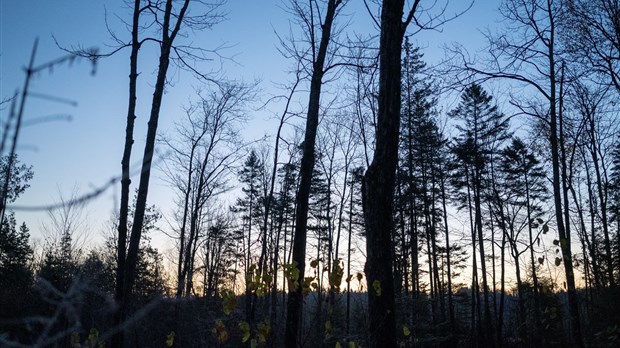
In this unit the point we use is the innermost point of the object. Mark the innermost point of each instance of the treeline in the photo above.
(387, 218)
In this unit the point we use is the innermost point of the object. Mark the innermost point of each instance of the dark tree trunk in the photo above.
(563, 230)
(378, 185)
(295, 296)
(117, 340)
(126, 273)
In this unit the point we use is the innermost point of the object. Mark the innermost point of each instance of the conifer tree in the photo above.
(482, 130)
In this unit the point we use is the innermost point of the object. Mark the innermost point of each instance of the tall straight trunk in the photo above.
(476, 325)
(530, 220)
(349, 274)
(602, 196)
(131, 259)
(563, 230)
(274, 171)
(521, 301)
(487, 324)
(186, 199)
(127, 270)
(449, 290)
(438, 283)
(295, 297)
(248, 261)
(403, 241)
(121, 248)
(378, 185)
(415, 264)
(502, 299)
(593, 249)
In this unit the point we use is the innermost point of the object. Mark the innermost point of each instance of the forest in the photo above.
(397, 202)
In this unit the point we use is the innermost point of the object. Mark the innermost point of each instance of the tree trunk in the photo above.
(121, 248)
(378, 184)
(563, 231)
(129, 268)
(295, 296)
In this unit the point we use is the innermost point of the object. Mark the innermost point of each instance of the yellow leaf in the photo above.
(351, 344)
(338, 345)
(170, 339)
(406, 331)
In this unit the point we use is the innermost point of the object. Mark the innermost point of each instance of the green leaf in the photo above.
(558, 261)
(556, 242)
(229, 300)
(219, 332)
(328, 327)
(245, 331)
(263, 332)
(351, 344)
(545, 228)
(93, 335)
(376, 284)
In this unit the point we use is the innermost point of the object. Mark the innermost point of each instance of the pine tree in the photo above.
(481, 132)
(525, 188)
(250, 207)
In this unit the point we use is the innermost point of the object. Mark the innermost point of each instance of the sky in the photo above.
(84, 152)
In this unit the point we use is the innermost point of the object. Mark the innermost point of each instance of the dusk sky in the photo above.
(85, 152)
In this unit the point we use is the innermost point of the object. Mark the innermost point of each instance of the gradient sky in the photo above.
(86, 151)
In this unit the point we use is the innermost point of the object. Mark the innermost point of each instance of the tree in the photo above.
(168, 19)
(16, 275)
(319, 66)
(378, 182)
(528, 55)
(524, 186)
(482, 131)
(251, 209)
(203, 150)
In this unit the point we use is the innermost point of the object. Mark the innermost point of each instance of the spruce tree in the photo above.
(481, 131)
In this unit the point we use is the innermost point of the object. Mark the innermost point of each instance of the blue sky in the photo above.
(86, 151)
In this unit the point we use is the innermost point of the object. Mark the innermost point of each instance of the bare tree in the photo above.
(318, 31)
(169, 18)
(203, 150)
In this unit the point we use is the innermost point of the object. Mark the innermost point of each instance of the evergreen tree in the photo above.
(16, 275)
(481, 132)
(523, 190)
(250, 206)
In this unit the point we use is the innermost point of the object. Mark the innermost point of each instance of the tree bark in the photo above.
(295, 296)
(378, 184)
(126, 274)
